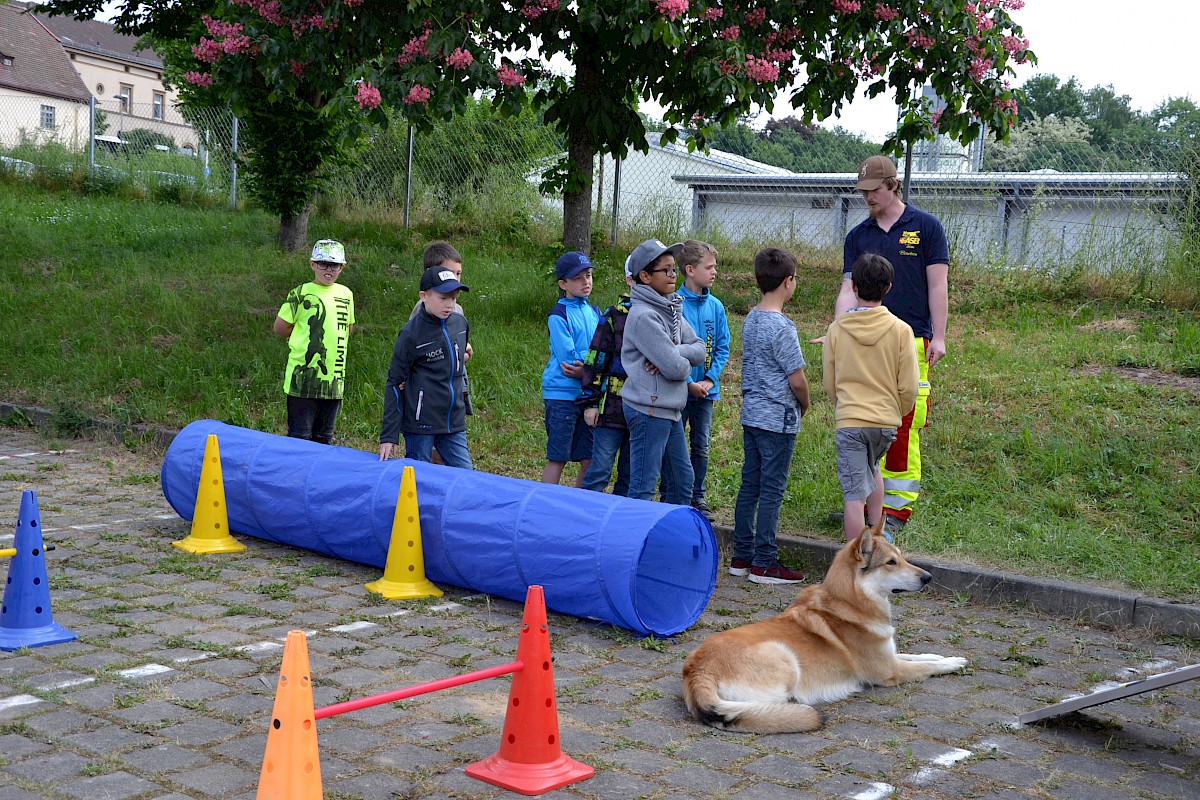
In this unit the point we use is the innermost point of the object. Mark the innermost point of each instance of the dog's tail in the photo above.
(745, 716)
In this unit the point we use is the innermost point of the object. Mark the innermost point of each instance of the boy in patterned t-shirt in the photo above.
(774, 398)
(317, 318)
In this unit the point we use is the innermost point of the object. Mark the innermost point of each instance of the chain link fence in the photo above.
(154, 147)
(1023, 205)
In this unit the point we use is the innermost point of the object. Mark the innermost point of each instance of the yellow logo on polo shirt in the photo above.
(910, 238)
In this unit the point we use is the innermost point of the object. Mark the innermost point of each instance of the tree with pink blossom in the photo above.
(706, 63)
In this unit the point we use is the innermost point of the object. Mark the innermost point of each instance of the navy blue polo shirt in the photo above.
(914, 242)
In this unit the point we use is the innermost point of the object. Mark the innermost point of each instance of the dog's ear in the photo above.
(866, 541)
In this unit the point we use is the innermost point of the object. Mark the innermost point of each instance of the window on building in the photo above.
(47, 120)
(100, 89)
(158, 105)
(126, 98)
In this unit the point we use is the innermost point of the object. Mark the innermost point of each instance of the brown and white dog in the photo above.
(836, 638)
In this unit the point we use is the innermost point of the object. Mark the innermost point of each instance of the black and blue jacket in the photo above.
(428, 361)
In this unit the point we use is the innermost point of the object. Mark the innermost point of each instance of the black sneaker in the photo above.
(776, 573)
(703, 508)
(892, 526)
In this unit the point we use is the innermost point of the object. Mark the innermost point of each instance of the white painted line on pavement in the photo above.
(145, 671)
(925, 776)
(874, 791)
(451, 606)
(258, 647)
(49, 687)
(952, 757)
(91, 526)
(361, 625)
(191, 658)
(18, 700)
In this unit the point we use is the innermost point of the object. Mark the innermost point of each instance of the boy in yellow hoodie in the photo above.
(870, 372)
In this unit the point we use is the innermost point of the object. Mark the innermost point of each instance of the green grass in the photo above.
(1041, 457)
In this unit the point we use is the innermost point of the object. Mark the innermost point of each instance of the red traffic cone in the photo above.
(530, 760)
(25, 618)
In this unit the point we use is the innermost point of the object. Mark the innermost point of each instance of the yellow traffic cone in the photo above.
(210, 521)
(404, 574)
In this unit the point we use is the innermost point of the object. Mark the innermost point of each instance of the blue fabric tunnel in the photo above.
(649, 567)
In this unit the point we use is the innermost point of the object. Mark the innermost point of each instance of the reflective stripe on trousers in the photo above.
(901, 465)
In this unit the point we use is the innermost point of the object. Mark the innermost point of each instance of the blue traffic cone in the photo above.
(25, 618)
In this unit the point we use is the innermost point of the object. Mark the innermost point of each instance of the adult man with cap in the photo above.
(915, 244)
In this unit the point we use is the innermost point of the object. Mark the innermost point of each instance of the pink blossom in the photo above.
(726, 66)
(979, 68)
(936, 119)
(368, 96)
(199, 79)
(886, 13)
(509, 76)
(846, 6)
(714, 13)
(730, 33)
(1013, 5)
(672, 9)
(296, 67)
(919, 40)
(352, 3)
(535, 8)
(417, 46)
(208, 51)
(460, 59)
(219, 28)
(756, 17)
(761, 70)
(418, 94)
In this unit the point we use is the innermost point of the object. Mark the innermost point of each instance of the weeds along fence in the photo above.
(1067, 207)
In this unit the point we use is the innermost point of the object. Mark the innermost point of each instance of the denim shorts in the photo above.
(568, 438)
(858, 453)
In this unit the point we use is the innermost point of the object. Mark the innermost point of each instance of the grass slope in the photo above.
(1042, 456)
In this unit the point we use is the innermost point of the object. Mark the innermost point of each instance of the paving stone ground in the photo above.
(168, 692)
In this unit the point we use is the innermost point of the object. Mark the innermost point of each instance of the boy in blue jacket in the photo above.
(706, 314)
(571, 323)
(424, 398)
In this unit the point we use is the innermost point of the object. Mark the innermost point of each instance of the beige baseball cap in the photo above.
(872, 172)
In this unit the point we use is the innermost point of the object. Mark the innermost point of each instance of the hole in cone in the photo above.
(35, 551)
(276, 724)
(512, 739)
(550, 739)
(307, 724)
(270, 767)
(308, 768)
(37, 610)
(37, 581)
(516, 701)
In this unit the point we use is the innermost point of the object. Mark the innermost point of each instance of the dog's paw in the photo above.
(952, 663)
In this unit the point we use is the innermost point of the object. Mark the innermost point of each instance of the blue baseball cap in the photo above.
(571, 264)
(441, 280)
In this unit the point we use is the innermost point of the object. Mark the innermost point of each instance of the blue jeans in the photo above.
(650, 439)
(609, 445)
(452, 447)
(768, 458)
(697, 418)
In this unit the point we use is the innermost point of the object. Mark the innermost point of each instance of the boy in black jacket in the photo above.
(424, 397)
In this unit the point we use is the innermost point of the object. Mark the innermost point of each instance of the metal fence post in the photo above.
(92, 135)
(907, 171)
(616, 204)
(408, 177)
(233, 169)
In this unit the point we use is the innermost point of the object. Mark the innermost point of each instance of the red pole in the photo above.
(413, 691)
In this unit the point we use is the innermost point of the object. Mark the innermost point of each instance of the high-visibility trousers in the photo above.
(901, 464)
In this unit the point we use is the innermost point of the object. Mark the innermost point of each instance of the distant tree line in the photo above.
(1063, 127)
(792, 145)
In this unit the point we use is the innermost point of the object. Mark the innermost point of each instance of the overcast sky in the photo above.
(1142, 49)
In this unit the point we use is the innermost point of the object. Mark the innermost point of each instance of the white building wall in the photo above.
(21, 120)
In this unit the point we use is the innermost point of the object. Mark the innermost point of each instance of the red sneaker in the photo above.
(739, 567)
(776, 573)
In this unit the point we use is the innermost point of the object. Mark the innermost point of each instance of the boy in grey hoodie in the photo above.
(658, 351)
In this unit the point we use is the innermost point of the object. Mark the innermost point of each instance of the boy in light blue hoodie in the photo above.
(571, 324)
(706, 314)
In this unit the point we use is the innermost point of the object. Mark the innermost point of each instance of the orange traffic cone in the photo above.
(530, 760)
(404, 574)
(210, 522)
(25, 616)
(291, 768)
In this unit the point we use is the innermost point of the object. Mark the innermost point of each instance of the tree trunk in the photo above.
(293, 231)
(577, 205)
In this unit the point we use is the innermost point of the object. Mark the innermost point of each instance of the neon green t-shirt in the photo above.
(321, 317)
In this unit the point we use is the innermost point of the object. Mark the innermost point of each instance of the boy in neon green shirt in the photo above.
(317, 318)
